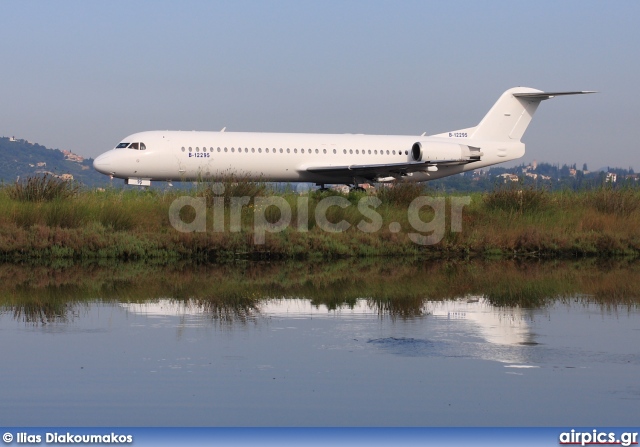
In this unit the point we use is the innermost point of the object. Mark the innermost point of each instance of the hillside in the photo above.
(21, 158)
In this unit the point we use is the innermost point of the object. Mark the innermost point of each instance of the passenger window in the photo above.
(190, 150)
(197, 149)
(182, 148)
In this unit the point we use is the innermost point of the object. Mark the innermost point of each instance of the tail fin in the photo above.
(510, 115)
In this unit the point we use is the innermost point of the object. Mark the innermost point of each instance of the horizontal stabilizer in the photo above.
(547, 95)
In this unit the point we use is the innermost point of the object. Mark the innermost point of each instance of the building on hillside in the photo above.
(509, 177)
(68, 155)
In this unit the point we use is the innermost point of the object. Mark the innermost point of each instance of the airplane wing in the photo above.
(376, 171)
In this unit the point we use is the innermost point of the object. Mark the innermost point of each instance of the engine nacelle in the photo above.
(437, 151)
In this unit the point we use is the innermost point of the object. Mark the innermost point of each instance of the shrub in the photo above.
(401, 194)
(607, 200)
(514, 198)
(234, 186)
(43, 188)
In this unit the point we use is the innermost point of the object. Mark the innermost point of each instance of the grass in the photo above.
(43, 188)
(135, 224)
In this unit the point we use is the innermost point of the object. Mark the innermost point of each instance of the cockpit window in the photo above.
(122, 145)
(133, 146)
(142, 146)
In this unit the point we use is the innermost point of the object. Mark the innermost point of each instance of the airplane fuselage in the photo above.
(278, 157)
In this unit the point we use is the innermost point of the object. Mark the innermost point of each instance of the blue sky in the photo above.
(82, 75)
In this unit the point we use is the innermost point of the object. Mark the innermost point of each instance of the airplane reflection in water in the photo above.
(496, 325)
(465, 327)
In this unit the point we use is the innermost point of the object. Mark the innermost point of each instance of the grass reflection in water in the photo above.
(234, 292)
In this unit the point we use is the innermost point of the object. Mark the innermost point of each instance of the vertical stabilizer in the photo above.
(510, 116)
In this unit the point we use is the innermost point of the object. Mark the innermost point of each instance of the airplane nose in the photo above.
(102, 164)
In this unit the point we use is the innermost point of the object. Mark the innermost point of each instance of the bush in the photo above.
(42, 189)
(607, 200)
(234, 186)
(401, 194)
(514, 198)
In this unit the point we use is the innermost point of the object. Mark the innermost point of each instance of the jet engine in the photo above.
(438, 151)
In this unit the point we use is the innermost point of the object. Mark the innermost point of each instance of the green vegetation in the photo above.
(48, 219)
(42, 189)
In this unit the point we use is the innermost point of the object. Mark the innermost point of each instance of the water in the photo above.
(282, 360)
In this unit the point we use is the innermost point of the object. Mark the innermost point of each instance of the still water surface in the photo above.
(377, 357)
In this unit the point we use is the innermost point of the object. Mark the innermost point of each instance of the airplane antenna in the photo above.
(223, 129)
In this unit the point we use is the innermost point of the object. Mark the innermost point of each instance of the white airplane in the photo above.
(326, 158)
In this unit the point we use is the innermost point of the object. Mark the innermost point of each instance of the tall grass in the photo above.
(514, 197)
(228, 186)
(606, 199)
(401, 194)
(42, 189)
(509, 221)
